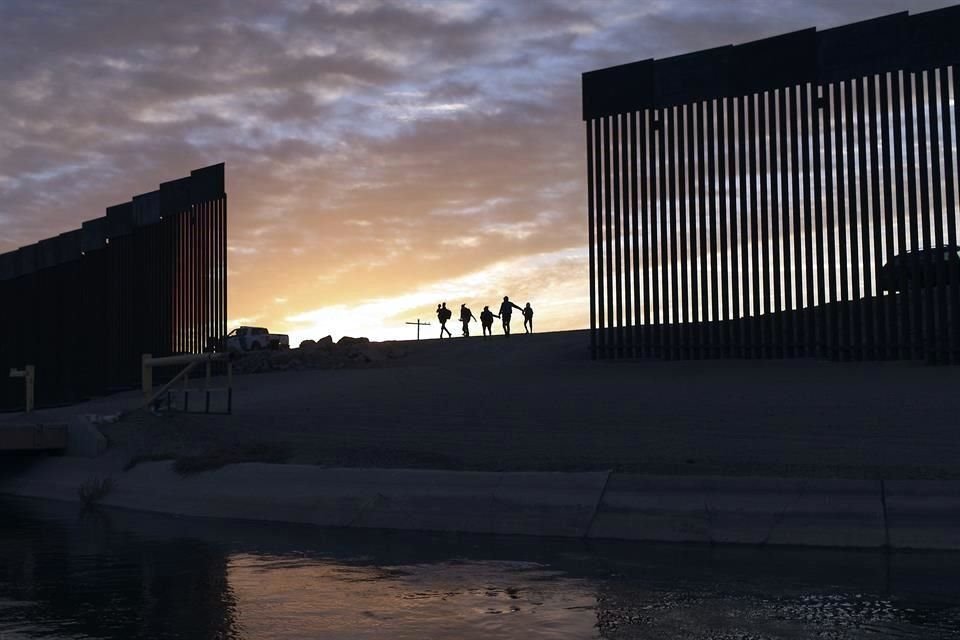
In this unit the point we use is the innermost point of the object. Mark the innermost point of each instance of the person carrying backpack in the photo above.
(444, 314)
(465, 317)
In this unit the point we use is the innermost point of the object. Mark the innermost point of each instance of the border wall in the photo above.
(148, 277)
(792, 196)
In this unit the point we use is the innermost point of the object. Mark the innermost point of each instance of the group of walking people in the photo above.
(486, 318)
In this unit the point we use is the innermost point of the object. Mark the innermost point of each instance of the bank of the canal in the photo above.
(909, 514)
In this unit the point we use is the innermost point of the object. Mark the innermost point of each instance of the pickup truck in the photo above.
(254, 339)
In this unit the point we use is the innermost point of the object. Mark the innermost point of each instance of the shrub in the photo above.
(94, 490)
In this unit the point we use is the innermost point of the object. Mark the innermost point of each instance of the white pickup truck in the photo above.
(254, 339)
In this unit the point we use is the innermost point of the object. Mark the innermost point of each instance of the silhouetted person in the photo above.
(444, 314)
(528, 318)
(506, 310)
(486, 321)
(465, 317)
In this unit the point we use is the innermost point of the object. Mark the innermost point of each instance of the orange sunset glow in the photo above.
(381, 156)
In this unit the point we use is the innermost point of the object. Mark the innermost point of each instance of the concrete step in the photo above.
(33, 437)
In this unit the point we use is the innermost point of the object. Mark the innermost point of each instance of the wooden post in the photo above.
(146, 377)
(30, 373)
(169, 385)
(191, 361)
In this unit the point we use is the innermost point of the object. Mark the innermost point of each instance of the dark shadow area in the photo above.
(912, 323)
(12, 463)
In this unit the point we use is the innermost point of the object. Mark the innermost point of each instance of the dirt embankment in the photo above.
(539, 403)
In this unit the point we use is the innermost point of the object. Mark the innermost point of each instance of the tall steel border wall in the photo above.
(148, 277)
(743, 200)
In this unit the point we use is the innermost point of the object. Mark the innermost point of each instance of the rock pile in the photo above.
(346, 353)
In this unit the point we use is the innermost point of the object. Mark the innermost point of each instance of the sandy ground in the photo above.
(539, 403)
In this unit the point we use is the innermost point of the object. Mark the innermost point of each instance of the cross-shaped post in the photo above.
(419, 324)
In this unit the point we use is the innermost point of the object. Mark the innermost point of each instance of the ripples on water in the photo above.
(111, 574)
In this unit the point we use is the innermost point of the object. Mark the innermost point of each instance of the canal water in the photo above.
(71, 574)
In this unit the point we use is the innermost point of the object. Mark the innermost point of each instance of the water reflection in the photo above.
(84, 576)
(445, 599)
(111, 574)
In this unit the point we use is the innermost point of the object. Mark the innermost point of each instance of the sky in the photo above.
(382, 156)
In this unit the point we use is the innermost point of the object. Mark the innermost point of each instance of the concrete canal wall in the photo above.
(909, 514)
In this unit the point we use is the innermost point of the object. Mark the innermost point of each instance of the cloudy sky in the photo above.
(381, 156)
